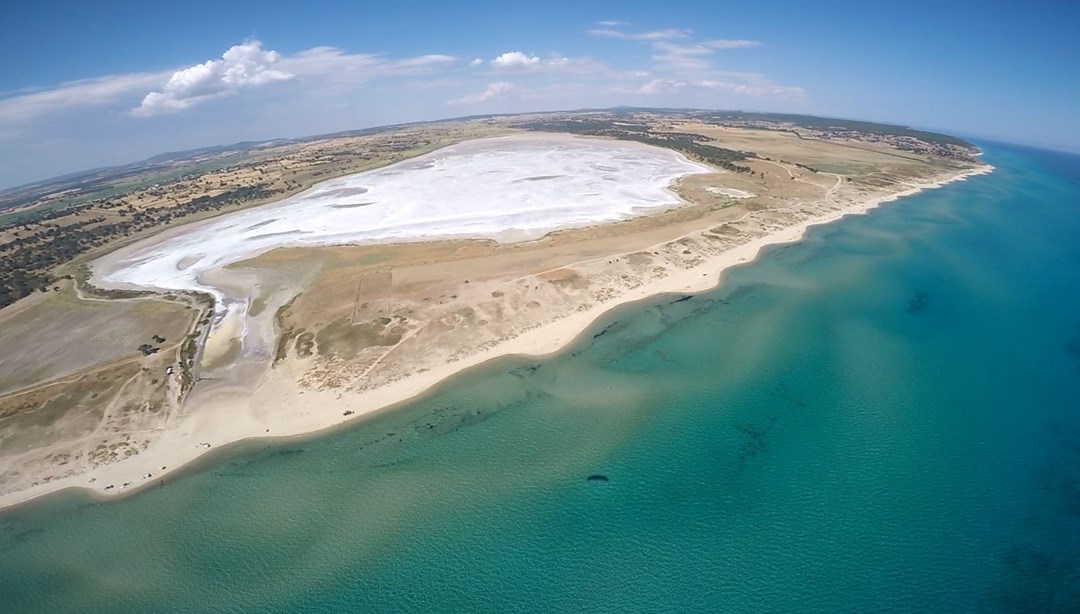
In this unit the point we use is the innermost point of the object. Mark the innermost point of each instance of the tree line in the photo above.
(26, 261)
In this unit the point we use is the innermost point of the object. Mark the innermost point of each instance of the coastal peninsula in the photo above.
(334, 299)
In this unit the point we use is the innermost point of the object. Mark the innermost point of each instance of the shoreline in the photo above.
(280, 409)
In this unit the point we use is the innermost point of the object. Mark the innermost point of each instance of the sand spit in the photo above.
(278, 407)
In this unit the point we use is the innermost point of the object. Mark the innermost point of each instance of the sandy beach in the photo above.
(277, 405)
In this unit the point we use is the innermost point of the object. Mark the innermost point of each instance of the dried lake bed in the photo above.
(508, 188)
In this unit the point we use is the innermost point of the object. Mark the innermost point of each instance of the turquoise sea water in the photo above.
(885, 417)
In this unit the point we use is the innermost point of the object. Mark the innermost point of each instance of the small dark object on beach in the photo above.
(348, 413)
(597, 477)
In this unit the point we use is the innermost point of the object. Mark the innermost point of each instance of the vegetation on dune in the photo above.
(27, 260)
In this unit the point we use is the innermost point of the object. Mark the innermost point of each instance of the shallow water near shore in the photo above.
(885, 416)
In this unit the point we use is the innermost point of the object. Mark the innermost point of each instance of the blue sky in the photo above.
(85, 84)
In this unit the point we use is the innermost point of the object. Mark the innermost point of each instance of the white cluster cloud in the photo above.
(515, 59)
(327, 87)
(248, 65)
(494, 90)
(242, 66)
